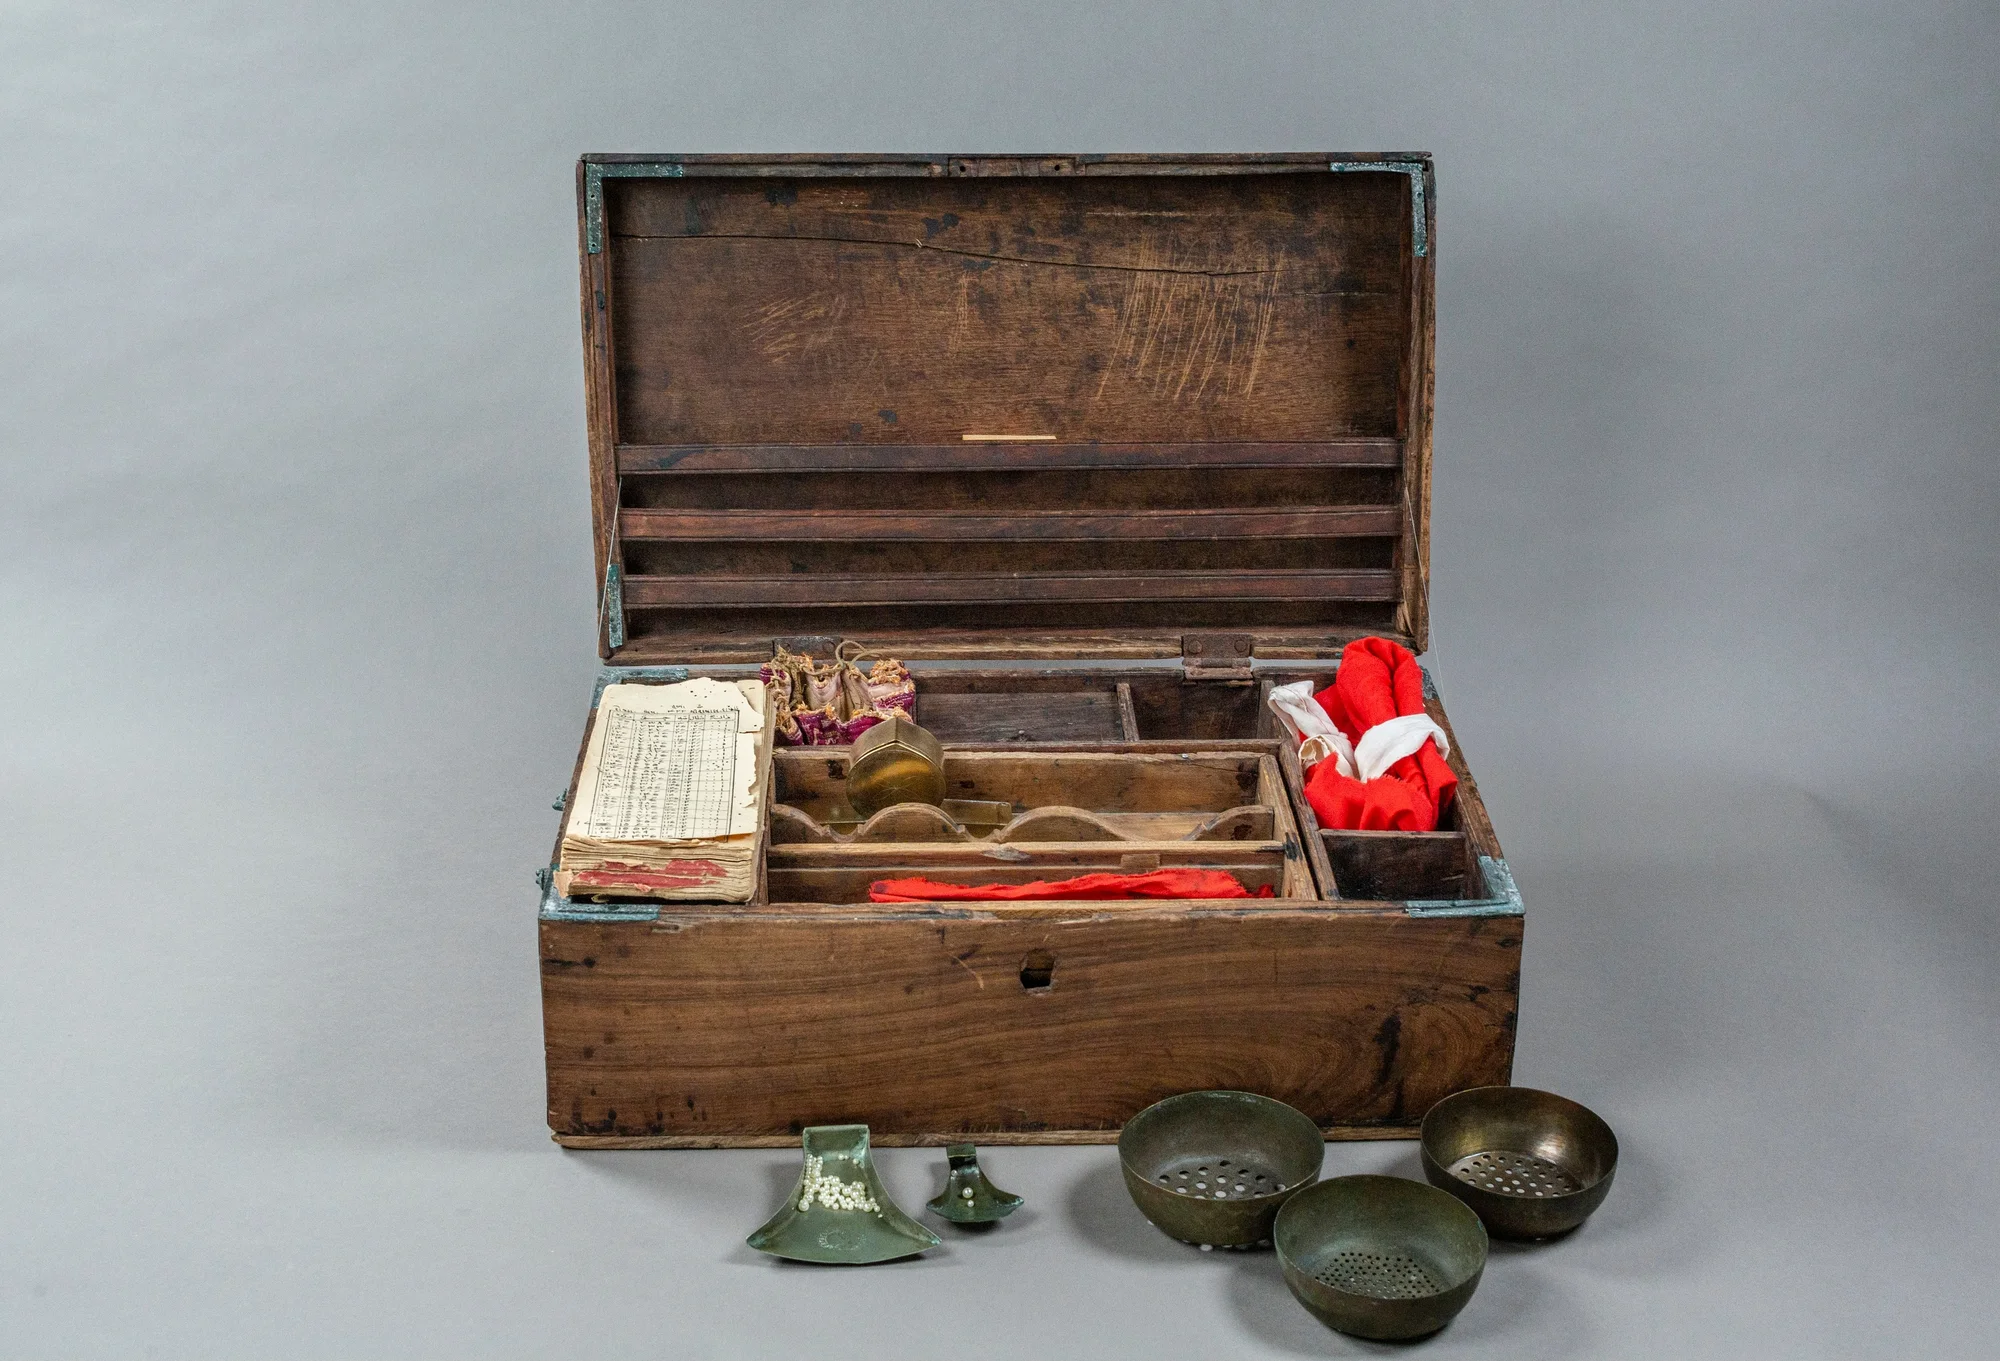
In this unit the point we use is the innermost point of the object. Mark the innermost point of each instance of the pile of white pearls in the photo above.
(834, 1193)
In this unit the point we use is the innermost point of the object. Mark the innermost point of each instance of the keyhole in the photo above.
(1038, 970)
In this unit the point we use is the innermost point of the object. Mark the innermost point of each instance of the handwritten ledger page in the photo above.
(668, 802)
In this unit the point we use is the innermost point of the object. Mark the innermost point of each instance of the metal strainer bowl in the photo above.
(1380, 1257)
(1214, 1167)
(1530, 1164)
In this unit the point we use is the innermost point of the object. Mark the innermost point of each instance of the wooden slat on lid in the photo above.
(1058, 399)
(879, 526)
(995, 588)
(1000, 456)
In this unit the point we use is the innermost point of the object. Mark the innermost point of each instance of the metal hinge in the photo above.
(1217, 657)
(819, 646)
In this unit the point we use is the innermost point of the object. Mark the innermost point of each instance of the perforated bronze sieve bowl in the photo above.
(1530, 1164)
(1214, 1167)
(1380, 1257)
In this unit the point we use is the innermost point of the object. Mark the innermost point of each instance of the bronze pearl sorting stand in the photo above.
(1380, 1257)
(1213, 1168)
(1531, 1164)
(969, 1198)
(840, 1214)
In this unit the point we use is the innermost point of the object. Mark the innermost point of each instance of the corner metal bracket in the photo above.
(556, 908)
(614, 605)
(1504, 902)
(821, 645)
(594, 176)
(615, 675)
(1419, 231)
(1217, 657)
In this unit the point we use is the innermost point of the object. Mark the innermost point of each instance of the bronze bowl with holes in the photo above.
(1213, 1168)
(1380, 1257)
(1530, 1164)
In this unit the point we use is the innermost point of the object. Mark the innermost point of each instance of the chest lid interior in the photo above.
(1005, 407)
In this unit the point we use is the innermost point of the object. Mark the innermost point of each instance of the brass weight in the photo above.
(894, 762)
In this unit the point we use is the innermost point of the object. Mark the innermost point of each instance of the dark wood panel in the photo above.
(724, 637)
(1397, 866)
(668, 592)
(722, 1027)
(1020, 492)
(1041, 717)
(987, 456)
(1303, 522)
(933, 557)
(897, 311)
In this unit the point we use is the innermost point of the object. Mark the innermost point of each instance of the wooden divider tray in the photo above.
(1103, 447)
(1076, 813)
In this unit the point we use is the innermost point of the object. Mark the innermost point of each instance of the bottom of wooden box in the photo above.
(1337, 1134)
(1013, 1022)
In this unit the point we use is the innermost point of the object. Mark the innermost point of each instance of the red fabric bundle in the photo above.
(1155, 884)
(1379, 680)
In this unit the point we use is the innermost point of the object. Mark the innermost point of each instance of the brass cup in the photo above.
(1380, 1257)
(1531, 1164)
(1214, 1167)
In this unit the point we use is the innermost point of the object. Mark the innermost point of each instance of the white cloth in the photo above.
(1379, 748)
(1394, 738)
(1310, 727)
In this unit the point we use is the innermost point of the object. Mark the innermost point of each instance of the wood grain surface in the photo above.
(1203, 377)
(890, 310)
(724, 1027)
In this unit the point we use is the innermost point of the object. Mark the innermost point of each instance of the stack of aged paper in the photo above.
(668, 802)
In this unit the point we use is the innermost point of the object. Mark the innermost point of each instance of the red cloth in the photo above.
(1154, 884)
(1379, 680)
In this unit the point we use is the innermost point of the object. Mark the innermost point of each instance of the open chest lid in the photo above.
(1008, 407)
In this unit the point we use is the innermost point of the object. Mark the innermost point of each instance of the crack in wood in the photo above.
(942, 250)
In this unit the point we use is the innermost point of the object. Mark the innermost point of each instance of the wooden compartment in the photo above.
(1103, 446)
(690, 1026)
(1459, 862)
(1075, 812)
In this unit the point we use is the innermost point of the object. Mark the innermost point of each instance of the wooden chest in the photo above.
(1105, 447)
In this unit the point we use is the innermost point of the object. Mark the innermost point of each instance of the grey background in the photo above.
(297, 634)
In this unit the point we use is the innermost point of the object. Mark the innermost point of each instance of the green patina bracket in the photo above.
(614, 605)
(556, 908)
(594, 176)
(615, 675)
(1419, 232)
(1504, 902)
